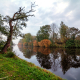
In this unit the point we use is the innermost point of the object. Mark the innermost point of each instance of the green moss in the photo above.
(18, 69)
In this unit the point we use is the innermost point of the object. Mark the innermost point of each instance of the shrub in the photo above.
(70, 43)
(44, 43)
(10, 54)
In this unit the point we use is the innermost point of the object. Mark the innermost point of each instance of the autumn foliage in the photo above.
(35, 43)
(44, 43)
(35, 49)
(45, 51)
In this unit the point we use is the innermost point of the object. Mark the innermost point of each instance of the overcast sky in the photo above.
(47, 12)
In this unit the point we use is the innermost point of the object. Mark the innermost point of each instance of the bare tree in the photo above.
(54, 30)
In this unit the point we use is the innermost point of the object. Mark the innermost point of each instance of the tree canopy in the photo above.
(43, 33)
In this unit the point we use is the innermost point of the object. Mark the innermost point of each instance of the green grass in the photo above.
(18, 69)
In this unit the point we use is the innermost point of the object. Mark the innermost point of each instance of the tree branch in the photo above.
(21, 13)
(21, 17)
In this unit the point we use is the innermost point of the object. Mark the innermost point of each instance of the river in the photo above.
(60, 61)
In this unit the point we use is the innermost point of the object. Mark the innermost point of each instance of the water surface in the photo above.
(62, 62)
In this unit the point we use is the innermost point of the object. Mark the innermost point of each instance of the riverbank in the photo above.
(18, 69)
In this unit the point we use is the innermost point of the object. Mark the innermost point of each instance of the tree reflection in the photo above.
(69, 59)
(27, 51)
(54, 59)
(44, 60)
(44, 51)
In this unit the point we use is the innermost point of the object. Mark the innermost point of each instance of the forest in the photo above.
(52, 36)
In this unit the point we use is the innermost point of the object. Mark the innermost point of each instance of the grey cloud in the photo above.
(74, 6)
(10, 7)
(43, 16)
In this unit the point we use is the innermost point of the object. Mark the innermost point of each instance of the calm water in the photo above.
(62, 62)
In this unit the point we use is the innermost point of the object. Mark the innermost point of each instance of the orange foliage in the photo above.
(44, 43)
(35, 43)
(35, 49)
(41, 44)
(42, 50)
(45, 51)
(24, 44)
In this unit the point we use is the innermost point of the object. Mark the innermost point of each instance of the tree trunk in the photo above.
(4, 49)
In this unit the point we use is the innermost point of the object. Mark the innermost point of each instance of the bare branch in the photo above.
(32, 5)
(22, 13)
(21, 17)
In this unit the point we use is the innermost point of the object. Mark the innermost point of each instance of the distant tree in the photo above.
(21, 41)
(43, 33)
(74, 32)
(74, 37)
(39, 36)
(27, 40)
(28, 37)
(63, 31)
(16, 23)
(54, 31)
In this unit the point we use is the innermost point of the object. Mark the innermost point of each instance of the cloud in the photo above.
(47, 12)
(72, 13)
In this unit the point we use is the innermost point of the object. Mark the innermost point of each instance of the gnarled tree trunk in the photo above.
(9, 38)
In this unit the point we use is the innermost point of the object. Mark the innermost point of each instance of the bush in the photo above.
(44, 43)
(70, 43)
(10, 54)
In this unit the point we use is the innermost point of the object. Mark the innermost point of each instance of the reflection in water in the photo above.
(44, 60)
(27, 51)
(69, 59)
(54, 59)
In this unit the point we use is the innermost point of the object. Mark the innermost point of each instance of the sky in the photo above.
(47, 12)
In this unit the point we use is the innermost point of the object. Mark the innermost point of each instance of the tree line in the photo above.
(49, 36)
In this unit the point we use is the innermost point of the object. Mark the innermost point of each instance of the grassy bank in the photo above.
(18, 69)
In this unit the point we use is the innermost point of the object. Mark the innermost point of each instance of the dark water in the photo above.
(62, 62)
